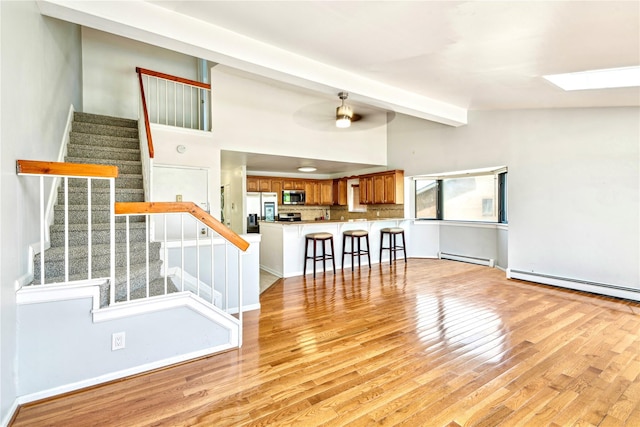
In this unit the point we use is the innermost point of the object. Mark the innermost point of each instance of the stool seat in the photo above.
(319, 236)
(393, 247)
(323, 238)
(356, 233)
(392, 230)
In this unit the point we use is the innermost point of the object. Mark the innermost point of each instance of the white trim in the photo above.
(61, 291)
(576, 284)
(469, 224)
(245, 308)
(494, 170)
(10, 413)
(122, 374)
(165, 302)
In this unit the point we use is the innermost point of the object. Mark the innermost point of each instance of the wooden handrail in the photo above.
(147, 124)
(173, 78)
(34, 167)
(142, 208)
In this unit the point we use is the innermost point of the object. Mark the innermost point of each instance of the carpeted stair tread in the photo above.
(56, 253)
(80, 151)
(130, 180)
(102, 119)
(90, 140)
(104, 129)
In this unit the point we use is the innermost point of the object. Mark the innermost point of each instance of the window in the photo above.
(463, 196)
(427, 198)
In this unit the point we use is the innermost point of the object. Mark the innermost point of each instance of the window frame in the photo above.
(500, 176)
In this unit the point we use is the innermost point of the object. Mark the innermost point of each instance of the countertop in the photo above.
(331, 221)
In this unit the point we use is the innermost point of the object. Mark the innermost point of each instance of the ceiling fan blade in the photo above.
(356, 117)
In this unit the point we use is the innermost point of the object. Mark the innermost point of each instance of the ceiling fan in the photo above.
(344, 113)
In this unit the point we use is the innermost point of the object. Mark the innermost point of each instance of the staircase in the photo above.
(109, 141)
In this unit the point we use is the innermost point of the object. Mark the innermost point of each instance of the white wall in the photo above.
(234, 181)
(110, 82)
(150, 338)
(201, 151)
(41, 78)
(257, 117)
(573, 183)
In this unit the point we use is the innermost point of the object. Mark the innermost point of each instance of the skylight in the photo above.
(597, 79)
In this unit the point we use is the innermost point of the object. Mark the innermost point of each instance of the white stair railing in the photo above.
(175, 101)
(185, 255)
(56, 171)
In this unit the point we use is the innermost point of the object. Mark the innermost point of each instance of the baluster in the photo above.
(89, 225)
(66, 229)
(213, 292)
(175, 104)
(128, 258)
(42, 229)
(112, 238)
(226, 277)
(197, 258)
(166, 254)
(182, 252)
(147, 219)
(239, 298)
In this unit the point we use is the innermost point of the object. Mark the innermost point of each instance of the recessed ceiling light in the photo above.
(307, 169)
(597, 79)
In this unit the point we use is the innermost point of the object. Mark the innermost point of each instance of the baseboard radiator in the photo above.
(489, 262)
(576, 284)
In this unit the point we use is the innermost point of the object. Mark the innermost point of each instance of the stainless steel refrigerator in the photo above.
(265, 205)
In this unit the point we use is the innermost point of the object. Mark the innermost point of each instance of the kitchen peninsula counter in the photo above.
(283, 243)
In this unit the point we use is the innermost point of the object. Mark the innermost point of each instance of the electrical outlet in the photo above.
(117, 341)
(178, 197)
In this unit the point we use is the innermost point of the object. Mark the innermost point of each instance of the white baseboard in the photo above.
(10, 413)
(489, 262)
(120, 374)
(576, 284)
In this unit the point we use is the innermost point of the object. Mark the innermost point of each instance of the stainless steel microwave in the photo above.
(293, 197)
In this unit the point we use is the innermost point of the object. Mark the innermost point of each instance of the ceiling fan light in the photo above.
(343, 121)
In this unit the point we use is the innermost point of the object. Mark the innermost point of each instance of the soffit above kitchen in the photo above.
(432, 60)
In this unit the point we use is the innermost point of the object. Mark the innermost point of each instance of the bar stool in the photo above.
(322, 238)
(393, 247)
(355, 234)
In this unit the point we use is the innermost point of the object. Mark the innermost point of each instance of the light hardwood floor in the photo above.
(429, 343)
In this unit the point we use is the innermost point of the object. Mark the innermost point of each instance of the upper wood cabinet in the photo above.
(340, 192)
(366, 190)
(382, 188)
(276, 187)
(326, 192)
(379, 188)
(264, 184)
(252, 184)
(311, 193)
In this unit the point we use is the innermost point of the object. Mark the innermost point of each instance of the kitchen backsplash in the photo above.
(310, 213)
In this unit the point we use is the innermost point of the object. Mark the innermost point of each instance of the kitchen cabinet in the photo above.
(312, 193)
(340, 192)
(264, 185)
(366, 190)
(252, 184)
(293, 184)
(378, 189)
(276, 187)
(326, 192)
(382, 188)
(393, 184)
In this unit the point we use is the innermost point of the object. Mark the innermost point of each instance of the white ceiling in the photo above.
(476, 55)
(430, 59)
